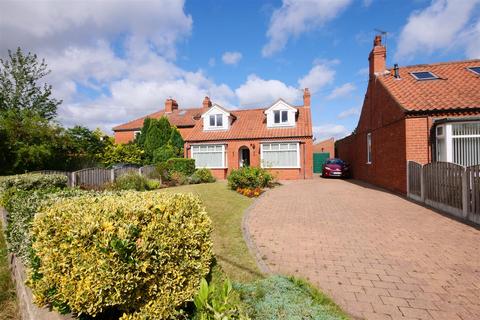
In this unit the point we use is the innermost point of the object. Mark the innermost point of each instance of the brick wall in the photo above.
(325, 146)
(232, 150)
(127, 136)
(384, 119)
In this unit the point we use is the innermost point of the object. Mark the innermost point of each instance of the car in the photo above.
(335, 167)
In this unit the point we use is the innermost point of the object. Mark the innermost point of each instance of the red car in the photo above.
(335, 168)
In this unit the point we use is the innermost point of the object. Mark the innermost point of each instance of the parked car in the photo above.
(335, 167)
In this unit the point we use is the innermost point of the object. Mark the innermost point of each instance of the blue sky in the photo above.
(113, 61)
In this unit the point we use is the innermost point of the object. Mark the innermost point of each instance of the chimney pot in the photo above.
(306, 97)
(207, 103)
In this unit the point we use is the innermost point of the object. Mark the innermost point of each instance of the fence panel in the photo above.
(473, 193)
(92, 177)
(414, 179)
(147, 171)
(443, 186)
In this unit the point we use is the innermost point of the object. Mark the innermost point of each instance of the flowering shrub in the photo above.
(250, 192)
(142, 253)
(250, 177)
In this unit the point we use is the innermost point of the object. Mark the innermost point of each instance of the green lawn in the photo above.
(226, 209)
(8, 302)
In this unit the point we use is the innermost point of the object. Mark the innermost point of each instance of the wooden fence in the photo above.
(97, 177)
(448, 187)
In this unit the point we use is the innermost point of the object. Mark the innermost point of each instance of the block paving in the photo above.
(378, 255)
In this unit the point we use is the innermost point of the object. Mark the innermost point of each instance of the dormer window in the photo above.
(280, 116)
(216, 120)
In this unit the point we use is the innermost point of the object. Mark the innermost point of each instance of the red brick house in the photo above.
(422, 113)
(327, 145)
(278, 138)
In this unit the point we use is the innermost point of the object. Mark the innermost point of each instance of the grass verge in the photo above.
(8, 302)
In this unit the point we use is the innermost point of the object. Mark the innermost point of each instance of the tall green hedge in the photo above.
(141, 253)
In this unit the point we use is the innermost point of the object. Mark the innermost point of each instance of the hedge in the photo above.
(141, 253)
(182, 165)
(22, 206)
(31, 181)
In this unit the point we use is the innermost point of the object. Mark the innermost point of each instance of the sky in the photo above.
(113, 61)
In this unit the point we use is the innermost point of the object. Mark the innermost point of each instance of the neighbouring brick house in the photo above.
(278, 138)
(422, 113)
(327, 145)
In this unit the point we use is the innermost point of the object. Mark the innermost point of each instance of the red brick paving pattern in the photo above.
(378, 255)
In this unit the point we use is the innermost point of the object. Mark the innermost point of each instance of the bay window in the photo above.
(458, 142)
(209, 156)
(280, 155)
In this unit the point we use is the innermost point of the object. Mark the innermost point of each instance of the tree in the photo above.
(83, 146)
(20, 89)
(177, 142)
(122, 153)
(165, 130)
(140, 138)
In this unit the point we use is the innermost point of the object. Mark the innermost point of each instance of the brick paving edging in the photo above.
(252, 247)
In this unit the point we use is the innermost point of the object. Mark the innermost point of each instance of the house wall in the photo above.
(232, 153)
(384, 119)
(127, 136)
(325, 146)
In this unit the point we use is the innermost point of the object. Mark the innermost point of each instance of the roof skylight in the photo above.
(424, 75)
(475, 70)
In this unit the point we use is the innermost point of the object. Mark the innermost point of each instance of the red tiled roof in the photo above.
(251, 124)
(457, 88)
(179, 118)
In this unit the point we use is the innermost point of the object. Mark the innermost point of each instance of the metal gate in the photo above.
(318, 160)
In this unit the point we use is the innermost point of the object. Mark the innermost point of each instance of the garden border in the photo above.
(28, 310)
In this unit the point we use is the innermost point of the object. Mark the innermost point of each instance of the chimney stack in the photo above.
(170, 105)
(378, 57)
(306, 97)
(207, 103)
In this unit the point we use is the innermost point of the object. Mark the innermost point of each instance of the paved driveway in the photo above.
(378, 255)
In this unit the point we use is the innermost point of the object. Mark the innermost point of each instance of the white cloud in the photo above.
(444, 25)
(326, 131)
(231, 57)
(319, 76)
(295, 17)
(348, 113)
(259, 92)
(342, 91)
(119, 51)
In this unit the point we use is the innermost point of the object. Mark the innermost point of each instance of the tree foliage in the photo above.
(122, 153)
(20, 89)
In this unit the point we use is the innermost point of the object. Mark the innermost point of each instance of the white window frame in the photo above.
(224, 154)
(280, 117)
(447, 154)
(215, 120)
(369, 148)
(263, 165)
(136, 133)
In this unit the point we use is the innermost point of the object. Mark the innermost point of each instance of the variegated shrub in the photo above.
(141, 253)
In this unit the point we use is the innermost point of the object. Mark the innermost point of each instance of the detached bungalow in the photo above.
(278, 138)
(423, 113)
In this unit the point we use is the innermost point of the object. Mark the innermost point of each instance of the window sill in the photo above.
(281, 167)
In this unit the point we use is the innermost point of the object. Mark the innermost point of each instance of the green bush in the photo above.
(279, 297)
(133, 181)
(183, 165)
(142, 253)
(31, 181)
(163, 153)
(202, 176)
(22, 207)
(250, 177)
(213, 303)
(178, 179)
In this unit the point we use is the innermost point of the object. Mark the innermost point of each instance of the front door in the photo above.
(243, 157)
